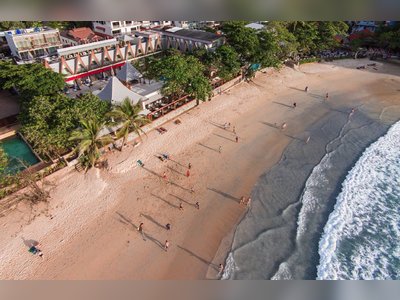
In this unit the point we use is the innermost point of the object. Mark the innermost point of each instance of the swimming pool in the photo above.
(17, 150)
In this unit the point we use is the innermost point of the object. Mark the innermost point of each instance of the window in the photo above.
(115, 24)
(128, 23)
(116, 31)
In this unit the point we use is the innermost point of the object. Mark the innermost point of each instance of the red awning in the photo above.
(97, 71)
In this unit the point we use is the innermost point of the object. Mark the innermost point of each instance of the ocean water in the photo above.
(298, 226)
(361, 239)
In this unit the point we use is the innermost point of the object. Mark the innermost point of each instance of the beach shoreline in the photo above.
(93, 233)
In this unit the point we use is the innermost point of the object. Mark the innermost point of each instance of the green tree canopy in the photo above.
(48, 120)
(30, 79)
(244, 40)
(227, 62)
(128, 115)
(182, 75)
(89, 141)
(3, 161)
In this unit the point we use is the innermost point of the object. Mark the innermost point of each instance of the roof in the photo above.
(193, 34)
(82, 34)
(116, 92)
(147, 89)
(86, 47)
(128, 73)
(256, 26)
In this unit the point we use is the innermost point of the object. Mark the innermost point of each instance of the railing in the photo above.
(167, 107)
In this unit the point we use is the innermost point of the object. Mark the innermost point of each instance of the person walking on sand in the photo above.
(242, 200)
(192, 190)
(284, 125)
(164, 176)
(234, 130)
(181, 207)
(220, 269)
(140, 228)
(352, 112)
(189, 166)
(237, 139)
(166, 245)
(306, 89)
(294, 105)
(197, 205)
(308, 139)
(326, 96)
(248, 202)
(220, 149)
(168, 226)
(187, 173)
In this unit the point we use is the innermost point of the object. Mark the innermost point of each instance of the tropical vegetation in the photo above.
(128, 117)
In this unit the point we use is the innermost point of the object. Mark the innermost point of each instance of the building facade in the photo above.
(186, 40)
(29, 44)
(90, 59)
(115, 28)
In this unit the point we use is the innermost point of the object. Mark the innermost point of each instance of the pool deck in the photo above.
(6, 132)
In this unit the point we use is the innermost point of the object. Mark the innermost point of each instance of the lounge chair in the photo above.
(163, 129)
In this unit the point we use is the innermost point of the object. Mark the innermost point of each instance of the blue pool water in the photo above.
(17, 150)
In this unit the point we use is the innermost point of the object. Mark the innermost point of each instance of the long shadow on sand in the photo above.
(152, 172)
(316, 96)
(183, 200)
(283, 104)
(221, 126)
(150, 218)
(226, 195)
(224, 137)
(178, 163)
(216, 150)
(208, 263)
(153, 239)
(125, 220)
(275, 126)
(166, 201)
(176, 171)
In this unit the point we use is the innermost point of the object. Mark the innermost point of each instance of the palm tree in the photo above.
(131, 120)
(89, 140)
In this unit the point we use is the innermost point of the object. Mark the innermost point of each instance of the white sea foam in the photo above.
(360, 239)
(283, 272)
(230, 267)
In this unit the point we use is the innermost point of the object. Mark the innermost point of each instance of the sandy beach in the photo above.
(89, 229)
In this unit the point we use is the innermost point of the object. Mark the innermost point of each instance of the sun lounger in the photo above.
(163, 129)
(177, 122)
(160, 131)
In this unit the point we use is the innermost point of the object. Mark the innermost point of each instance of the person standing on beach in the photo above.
(308, 139)
(237, 139)
(168, 226)
(234, 130)
(248, 202)
(294, 105)
(220, 149)
(242, 200)
(166, 245)
(181, 207)
(164, 176)
(189, 166)
(220, 269)
(306, 89)
(197, 205)
(187, 173)
(140, 229)
(192, 190)
(326, 96)
(283, 126)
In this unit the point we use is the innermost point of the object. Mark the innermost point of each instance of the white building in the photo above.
(115, 28)
(256, 26)
(31, 43)
(363, 25)
(186, 40)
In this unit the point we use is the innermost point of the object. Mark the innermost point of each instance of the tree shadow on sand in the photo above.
(208, 263)
(226, 195)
